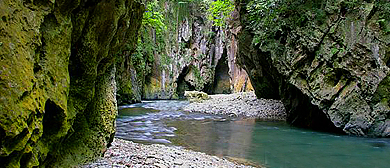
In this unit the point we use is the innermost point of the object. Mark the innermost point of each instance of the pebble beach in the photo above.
(124, 154)
(243, 104)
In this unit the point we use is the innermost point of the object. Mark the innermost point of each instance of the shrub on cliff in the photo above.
(219, 11)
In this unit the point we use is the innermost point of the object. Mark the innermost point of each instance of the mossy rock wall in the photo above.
(327, 60)
(128, 85)
(57, 78)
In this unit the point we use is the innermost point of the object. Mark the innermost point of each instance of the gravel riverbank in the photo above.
(240, 105)
(124, 153)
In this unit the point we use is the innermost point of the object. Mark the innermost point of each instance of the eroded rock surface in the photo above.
(331, 69)
(190, 54)
(57, 78)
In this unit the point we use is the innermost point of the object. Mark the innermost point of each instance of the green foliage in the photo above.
(384, 25)
(334, 51)
(199, 84)
(219, 11)
(204, 5)
(142, 55)
(166, 60)
(263, 16)
(383, 7)
(151, 39)
(153, 18)
(182, 45)
(268, 18)
(182, 10)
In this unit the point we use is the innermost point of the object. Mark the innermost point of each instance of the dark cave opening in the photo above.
(221, 83)
(183, 85)
(25, 159)
(301, 113)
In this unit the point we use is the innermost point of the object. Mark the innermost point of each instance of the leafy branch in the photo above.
(153, 18)
(220, 11)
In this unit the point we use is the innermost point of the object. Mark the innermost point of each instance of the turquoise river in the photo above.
(268, 143)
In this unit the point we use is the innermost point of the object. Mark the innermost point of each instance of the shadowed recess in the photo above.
(222, 78)
(182, 85)
(53, 118)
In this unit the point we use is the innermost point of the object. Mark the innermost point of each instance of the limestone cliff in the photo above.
(189, 54)
(327, 60)
(57, 78)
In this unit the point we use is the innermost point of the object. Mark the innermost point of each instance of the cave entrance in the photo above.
(182, 84)
(222, 78)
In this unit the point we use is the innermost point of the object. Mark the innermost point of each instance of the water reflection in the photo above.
(222, 138)
(241, 133)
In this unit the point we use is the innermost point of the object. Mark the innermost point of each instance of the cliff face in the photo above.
(327, 61)
(188, 54)
(57, 78)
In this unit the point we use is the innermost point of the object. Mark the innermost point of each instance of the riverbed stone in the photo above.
(243, 104)
(134, 154)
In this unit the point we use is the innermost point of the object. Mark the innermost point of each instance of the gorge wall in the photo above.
(65, 65)
(327, 60)
(184, 52)
(57, 78)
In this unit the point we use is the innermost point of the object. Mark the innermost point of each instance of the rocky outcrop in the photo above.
(57, 77)
(213, 68)
(195, 96)
(191, 54)
(327, 61)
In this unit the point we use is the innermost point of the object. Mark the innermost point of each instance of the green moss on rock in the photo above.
(327, 60)
(57, 103)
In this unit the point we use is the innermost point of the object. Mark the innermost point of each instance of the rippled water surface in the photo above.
(147, 122)
(274, 144)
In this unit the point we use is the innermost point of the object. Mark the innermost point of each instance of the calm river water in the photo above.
(274, 144)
